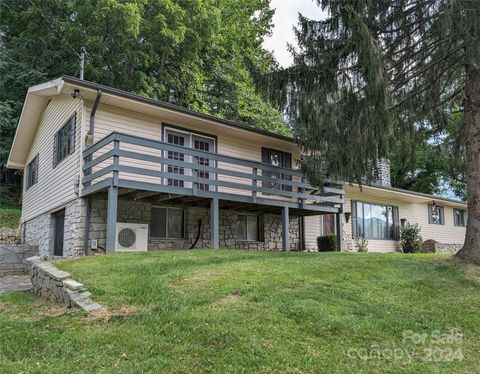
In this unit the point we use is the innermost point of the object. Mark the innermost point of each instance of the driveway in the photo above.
(14, 283)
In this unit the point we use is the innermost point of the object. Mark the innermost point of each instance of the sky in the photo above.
(285, 18)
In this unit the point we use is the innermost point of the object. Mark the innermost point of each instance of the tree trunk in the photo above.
(471, 248)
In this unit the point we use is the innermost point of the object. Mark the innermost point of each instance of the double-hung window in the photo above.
(375, 221)
(64, 141)
(167, 223)
(436, 215)
(459, 217)
(32, 173)
(280, 159)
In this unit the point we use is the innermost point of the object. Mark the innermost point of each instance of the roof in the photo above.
(37, 98)
(382, 191)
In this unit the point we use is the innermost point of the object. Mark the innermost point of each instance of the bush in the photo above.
(361, 244)
(327, 243)
(411, 238)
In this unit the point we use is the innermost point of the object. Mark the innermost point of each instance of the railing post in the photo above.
(254, 185)
(339, 227)
(214, 223)
(116, 161)
(111, 217)
(301, 191)
(285, 229)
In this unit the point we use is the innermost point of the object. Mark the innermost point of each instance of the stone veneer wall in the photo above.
(12, 258)
(58, 285)
(39, 230)
(140, 212)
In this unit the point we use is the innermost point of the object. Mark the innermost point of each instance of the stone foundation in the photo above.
(8, 235)
(58, 286)
(139, 212)
(39, 230)
(12, 259)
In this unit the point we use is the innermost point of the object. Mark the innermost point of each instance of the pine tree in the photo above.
(376, 72)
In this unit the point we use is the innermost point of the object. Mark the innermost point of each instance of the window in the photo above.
(436, 215)
(459, 217)
(167, 223)
(64, 142)
(280, 159)
(374, 221)
(250, 227)
(32, 173)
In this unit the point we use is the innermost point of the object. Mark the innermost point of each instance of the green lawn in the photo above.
(253, 312)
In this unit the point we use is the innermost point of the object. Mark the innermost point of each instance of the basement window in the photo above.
(250, 227)
(167, 223)
(32, 172)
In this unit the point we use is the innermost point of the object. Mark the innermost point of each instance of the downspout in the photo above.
(89, 142)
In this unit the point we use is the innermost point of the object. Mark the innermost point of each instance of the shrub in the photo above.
(361, 244)
(411, 238)
(327, 243)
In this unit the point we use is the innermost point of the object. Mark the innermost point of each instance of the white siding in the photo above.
(247, 146)
(413, 212)
(56, 186)
(312, 231)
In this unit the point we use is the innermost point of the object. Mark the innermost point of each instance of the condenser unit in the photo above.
(131, 237)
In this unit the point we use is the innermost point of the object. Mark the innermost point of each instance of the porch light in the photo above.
(347, 216)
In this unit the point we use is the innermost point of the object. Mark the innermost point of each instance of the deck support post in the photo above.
(285, 229)
(214, 223)
(339, 228)
(111, 217)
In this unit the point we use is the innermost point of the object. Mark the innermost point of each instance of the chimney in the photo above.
(383, 173)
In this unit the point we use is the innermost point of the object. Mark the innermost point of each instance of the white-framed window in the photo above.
(436, 215)
(375, 221)
(32, 173)
(64, 141)
(167, 223)
(195, 141)
(459, 217)
(250, 227)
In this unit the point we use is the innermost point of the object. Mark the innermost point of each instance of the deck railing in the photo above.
(139, 163)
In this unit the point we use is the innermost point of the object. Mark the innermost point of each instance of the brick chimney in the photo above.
(383, 173)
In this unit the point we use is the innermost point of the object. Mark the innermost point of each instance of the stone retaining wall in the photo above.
(58, 285)
(12, 258)
(8, 235)
(432, 246)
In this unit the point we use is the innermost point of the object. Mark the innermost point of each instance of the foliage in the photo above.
(410, 238)
(327, 243)
(197, 54)
(376, 73)
(244, 311)
(361, 244)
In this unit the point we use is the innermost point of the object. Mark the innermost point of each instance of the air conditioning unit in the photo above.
(131, 237)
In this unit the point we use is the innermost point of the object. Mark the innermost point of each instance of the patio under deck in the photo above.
(132, 167)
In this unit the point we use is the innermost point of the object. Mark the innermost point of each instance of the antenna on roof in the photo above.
(82, 62)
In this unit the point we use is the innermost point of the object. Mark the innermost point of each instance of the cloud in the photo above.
(284, 19)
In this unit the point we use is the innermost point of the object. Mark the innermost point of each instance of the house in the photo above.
(376, 212)
(106, 170)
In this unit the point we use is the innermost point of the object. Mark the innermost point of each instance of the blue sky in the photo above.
(285, 18)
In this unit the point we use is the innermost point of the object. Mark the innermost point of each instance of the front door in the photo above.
(203, 144)
(181, 139)
(59, 226)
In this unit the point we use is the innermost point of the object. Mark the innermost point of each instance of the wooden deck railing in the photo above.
(138, 163)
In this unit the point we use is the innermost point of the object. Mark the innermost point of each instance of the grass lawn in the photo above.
(254, 312)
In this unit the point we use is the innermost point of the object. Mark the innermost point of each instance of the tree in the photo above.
(376, 73)
(200, 54)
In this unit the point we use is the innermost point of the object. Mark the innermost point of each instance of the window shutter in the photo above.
(287, 163)
(73, 123)
(265, 160)
(261, 228)
(36, 170)
(442, 215)
(55, 143)
(396, 223)
(429, 214)
(354, 218)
